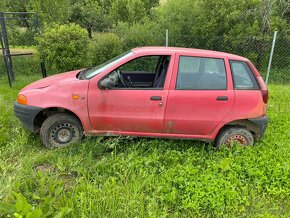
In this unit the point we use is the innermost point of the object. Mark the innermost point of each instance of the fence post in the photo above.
(36, 23)
(5, 49)
(166, 43)
(271, 57)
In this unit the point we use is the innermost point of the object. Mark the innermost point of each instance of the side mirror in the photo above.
(106, 83)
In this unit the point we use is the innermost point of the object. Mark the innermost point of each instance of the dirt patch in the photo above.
(45, 168)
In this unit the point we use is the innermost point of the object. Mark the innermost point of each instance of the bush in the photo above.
(21, 36)
(136, 35)
(64, 47)
(104, 47)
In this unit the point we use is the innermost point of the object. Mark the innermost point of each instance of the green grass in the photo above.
(135, 177)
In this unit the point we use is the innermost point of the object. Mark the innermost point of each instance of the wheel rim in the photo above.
(63, 133)
(237, 138)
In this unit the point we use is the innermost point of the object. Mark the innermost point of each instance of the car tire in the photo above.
(229, 135)
(60, 130)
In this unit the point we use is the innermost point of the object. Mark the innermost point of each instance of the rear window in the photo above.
(244, 78)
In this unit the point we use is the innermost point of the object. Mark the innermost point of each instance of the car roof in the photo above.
(190, 51)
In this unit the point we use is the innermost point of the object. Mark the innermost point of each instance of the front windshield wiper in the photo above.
(82, 72)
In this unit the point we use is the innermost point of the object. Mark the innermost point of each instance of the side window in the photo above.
(199, 73)
(147, 72)
(144, 64)
(243, 76)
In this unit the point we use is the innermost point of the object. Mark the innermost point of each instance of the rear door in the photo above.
(249, 102)
(200, 96)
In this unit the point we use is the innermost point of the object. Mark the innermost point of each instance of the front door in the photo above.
(132, 105)
(128, 110)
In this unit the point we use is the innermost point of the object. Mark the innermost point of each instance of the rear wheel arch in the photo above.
(245, 123)
(234, 134)
(47, 112)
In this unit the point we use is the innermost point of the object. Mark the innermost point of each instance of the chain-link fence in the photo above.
(18, 56)
(255, 48)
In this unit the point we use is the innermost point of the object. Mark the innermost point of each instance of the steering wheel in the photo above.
(121, 78)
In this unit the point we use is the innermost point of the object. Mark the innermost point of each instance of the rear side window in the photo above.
(243, 76)
(199, 73)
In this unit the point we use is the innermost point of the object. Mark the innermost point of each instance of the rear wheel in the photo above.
(231, 135)
(60, 130)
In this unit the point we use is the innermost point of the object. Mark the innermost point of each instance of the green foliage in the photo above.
(21, 36)
(64, 47)
(56, 11)
(242, 27)
(136, 35)
(118, 12)
(90, 15)
(130, 11)
(104, 47)
(136, 10)
(21, 208)
(14, 6)
(2, 5)
(134, 177)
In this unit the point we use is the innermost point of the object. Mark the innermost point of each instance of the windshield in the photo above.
(96, 70)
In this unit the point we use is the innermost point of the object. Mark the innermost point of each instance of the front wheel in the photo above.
(60, 130)
(231, 135)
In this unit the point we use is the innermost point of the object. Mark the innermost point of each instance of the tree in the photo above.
(16, 6)
(131, 11)
(56, 11)
(90, 15)
(119, 12)
(3, 5)
(136, 11)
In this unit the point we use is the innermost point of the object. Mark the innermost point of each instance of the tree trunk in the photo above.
(89, 29)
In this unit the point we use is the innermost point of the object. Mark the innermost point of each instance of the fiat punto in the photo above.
(150, 92)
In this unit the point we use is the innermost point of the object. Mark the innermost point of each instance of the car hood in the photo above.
(53, 80)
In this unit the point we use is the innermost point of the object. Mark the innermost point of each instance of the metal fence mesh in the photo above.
(257, 49)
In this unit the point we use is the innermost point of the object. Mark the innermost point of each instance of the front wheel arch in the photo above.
(44, 114)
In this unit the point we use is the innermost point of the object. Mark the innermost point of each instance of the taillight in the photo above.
(265, 96)
(264, 89)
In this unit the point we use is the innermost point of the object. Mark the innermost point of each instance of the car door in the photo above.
(134, 109)
(200, 96)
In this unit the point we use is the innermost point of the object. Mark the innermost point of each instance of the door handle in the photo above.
(155, 98)
(222, 98)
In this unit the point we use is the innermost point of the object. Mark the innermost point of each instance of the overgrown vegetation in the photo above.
(241, 27)
(135, 177)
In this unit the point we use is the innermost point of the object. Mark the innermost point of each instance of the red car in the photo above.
(150, 92)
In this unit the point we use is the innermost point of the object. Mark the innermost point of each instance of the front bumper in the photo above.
(26, 115)
(262, 123)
